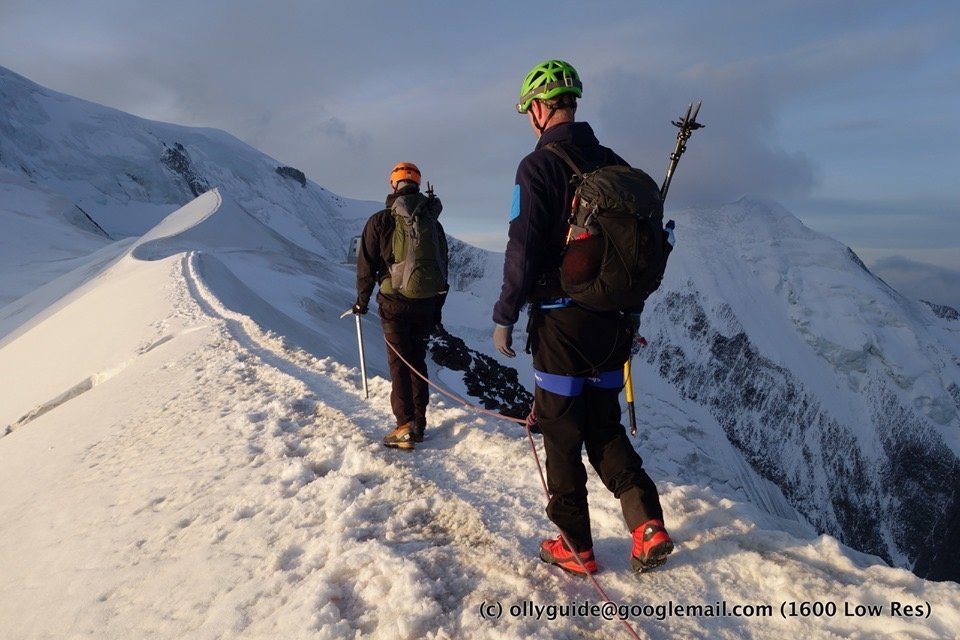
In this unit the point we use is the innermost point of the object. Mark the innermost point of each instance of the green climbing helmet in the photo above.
(547, 80)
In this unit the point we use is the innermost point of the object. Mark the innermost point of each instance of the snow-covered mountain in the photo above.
(188, 454)
(127, 174)
(835, 387)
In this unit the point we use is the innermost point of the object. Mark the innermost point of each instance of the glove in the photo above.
(359, 309)
(502, 339)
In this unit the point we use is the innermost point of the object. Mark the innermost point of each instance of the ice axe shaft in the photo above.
(628, 385)
(363, 359)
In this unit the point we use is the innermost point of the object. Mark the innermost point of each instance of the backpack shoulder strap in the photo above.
(558, 149)
(405, 208)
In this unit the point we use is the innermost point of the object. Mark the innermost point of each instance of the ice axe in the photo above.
(363, 362)
(686, 124)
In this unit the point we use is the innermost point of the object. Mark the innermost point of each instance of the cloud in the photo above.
(343, 91)
(896, 225)
(920, 281)
(736, 153)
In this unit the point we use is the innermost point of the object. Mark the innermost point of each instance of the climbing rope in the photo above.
(533, 449)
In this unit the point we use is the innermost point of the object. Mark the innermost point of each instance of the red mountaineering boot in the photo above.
(555, 552)
(651, 546)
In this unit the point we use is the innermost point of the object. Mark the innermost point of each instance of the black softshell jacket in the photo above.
(539, 220)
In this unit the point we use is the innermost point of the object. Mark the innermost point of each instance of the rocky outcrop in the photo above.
(178, 160)
(494, 385)
(943, 311)
(293, 174)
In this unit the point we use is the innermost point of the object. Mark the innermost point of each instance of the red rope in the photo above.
(566, 541)
(536, 458)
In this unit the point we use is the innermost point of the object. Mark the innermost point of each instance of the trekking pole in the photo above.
(687, 125)
(363, 362)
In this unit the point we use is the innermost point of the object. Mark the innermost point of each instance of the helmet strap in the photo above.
(554, 106)
(542, 127)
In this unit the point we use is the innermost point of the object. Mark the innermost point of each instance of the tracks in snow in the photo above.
(440, 521)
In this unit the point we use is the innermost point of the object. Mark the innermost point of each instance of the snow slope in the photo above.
(174, 471)
(35, 216)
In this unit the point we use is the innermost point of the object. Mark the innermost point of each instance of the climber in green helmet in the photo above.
(578, 351)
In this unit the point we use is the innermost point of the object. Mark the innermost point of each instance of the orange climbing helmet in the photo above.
(404, 171)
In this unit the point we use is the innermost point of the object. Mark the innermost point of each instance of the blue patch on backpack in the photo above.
(515, 209)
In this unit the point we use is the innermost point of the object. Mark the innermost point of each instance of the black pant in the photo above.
(406, 326)
(410, 393)
(574, 341)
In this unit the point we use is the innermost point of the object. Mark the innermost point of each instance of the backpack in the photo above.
(617, 247)
(419, 267)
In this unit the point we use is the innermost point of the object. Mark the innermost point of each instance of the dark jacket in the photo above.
(539, 218)
(374, 258)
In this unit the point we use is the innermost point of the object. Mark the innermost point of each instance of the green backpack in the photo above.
(419, 267)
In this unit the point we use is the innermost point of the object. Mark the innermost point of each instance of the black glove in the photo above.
(359, 308)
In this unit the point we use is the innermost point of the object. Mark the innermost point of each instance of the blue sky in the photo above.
(844, 112)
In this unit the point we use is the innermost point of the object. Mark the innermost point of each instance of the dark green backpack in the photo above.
(419, 267)
(617, 248)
